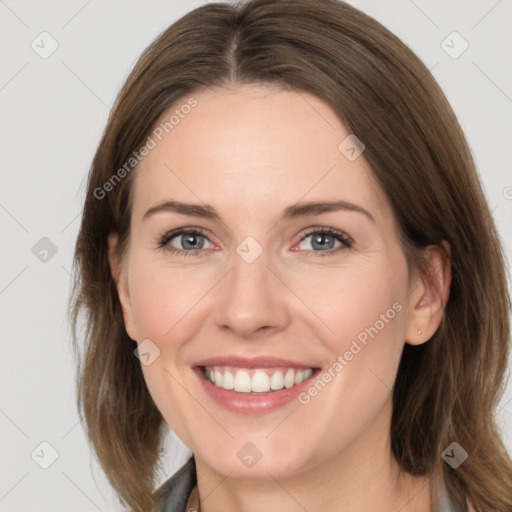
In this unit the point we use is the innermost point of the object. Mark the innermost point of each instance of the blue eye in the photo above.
(190, 242)
(184, 241)
(323, 240)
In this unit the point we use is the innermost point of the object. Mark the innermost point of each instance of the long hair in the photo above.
(447, 389)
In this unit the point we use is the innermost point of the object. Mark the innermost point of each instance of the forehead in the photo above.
(257, 146)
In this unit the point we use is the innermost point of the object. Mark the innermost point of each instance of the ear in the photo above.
(429, 295)
(119, 275)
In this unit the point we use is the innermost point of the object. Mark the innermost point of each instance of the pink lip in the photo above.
(252, 362)
(252, 403)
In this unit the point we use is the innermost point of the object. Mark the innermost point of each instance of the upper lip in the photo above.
(251, 362)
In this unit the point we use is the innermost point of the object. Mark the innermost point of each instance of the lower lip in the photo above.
(252, 403)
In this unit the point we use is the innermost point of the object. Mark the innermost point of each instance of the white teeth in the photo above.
(242, 382)
(302, 375)
(228, 382)
(260, 382)
(289, 378)
(218, 378)
(277, 381)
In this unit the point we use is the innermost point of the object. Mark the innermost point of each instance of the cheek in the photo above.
(362, 303)
(164, 298)
(166, 304)
(371, 317)
(163, 310)
(364, 308)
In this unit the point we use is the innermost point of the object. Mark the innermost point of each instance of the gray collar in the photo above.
(172, 495)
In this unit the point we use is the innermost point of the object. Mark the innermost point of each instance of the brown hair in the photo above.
(446, 389)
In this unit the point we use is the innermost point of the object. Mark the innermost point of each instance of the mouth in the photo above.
(259, 380)
(253, 386)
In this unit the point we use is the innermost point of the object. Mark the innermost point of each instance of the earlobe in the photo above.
(429, 298)
(121, 282)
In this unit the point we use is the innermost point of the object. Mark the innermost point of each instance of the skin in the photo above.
(250, 152)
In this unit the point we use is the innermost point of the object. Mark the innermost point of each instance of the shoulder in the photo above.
(173, 494)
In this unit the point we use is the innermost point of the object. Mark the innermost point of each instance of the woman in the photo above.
(286, 257)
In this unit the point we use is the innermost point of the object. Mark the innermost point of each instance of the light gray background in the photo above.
(52, 114)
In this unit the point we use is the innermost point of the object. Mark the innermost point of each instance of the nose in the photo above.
(253, 300)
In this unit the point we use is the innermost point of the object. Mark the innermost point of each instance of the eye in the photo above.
(184, 241)
(323, 240)
(190, 241)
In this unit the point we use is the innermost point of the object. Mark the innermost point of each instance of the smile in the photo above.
(255, 380)
(253, 385)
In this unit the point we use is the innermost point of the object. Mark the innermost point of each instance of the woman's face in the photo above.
(290, 268)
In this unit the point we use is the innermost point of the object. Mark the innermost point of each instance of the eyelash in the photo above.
(345, 240)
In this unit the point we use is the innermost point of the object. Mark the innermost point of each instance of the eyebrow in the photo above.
(293, 211)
